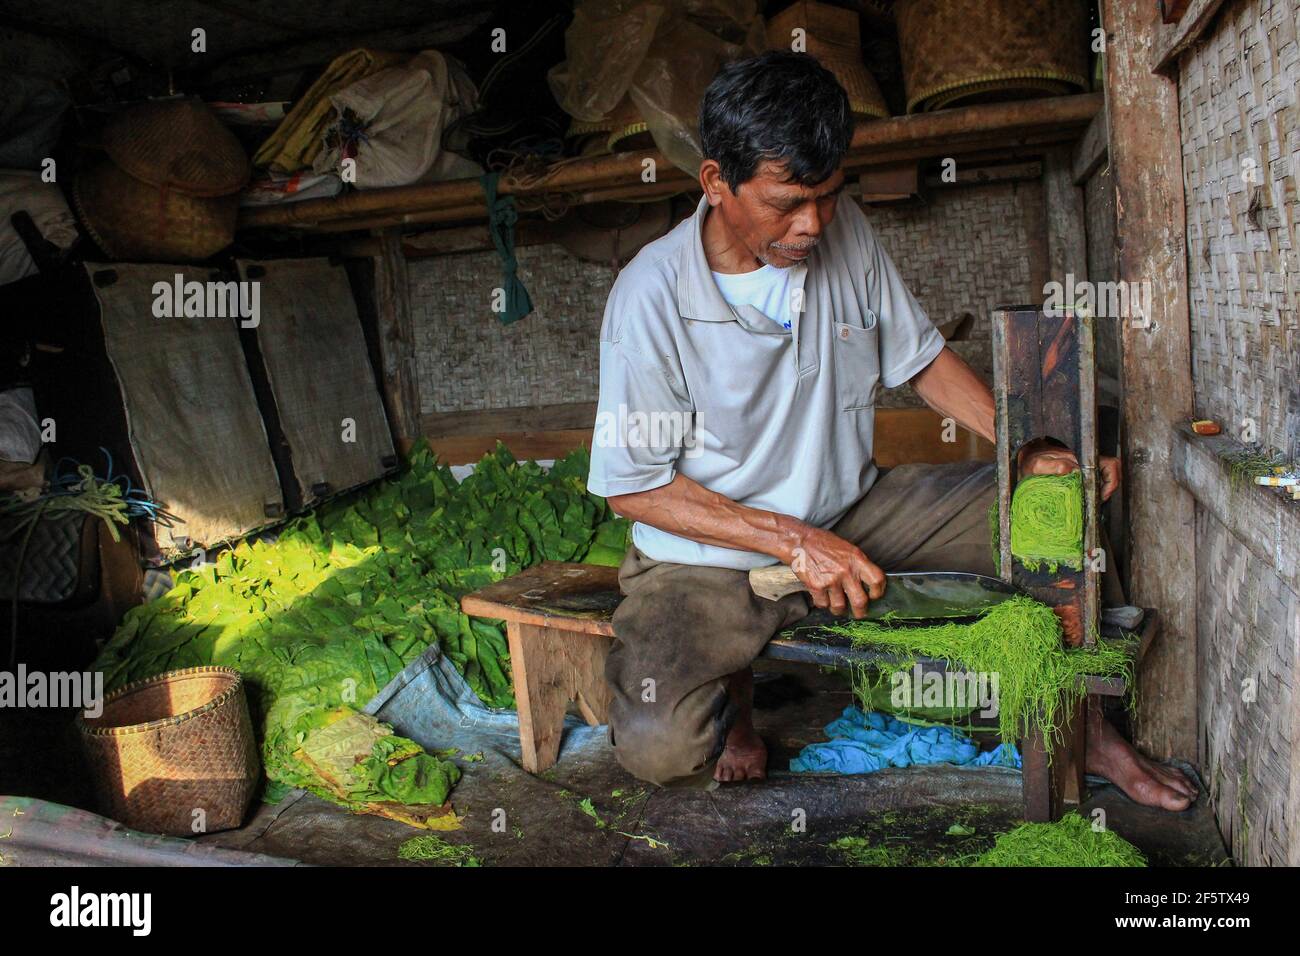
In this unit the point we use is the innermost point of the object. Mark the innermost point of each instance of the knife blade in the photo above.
(913, 595)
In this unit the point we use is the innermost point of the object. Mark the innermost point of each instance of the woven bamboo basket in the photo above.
(170, 746)
(623, 129)
(831, 35)
(178, 145)
(134, 220)
(958, 52)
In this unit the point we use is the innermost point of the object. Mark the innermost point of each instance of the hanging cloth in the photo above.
(502, 216)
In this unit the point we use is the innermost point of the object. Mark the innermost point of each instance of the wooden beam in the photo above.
(1090, 151)
(397, 342)
(903, 435)
(1146, 162)
(1172, 39)
(875, 143)
(1067, 231)
(542, 445)
(494, 421)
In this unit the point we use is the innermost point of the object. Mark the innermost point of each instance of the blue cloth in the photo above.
(863, 742)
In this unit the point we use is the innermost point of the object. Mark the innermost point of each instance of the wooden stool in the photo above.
(558, 621)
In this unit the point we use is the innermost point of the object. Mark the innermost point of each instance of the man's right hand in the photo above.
(838, 575)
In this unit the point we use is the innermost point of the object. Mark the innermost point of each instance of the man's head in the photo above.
(774, 129)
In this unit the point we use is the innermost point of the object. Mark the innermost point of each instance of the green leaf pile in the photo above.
(346, 597)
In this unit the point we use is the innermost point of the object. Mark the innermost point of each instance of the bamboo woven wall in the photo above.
(1237, 95)
(1246, 677)
(965, 251)
(1241, 166)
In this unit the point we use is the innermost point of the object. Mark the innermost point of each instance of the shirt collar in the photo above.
(698, 296)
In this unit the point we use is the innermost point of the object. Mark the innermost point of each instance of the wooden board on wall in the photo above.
(903, 435)
(1146, 160)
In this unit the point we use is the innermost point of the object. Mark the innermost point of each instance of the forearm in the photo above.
(951, 388)
(686, 508)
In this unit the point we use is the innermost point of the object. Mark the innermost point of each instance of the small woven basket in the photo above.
(136, 221)
(168, 747)
(958, 52)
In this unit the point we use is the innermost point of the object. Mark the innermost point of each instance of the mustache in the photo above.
(795, 246)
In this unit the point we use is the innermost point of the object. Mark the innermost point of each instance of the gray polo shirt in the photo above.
(772, 418)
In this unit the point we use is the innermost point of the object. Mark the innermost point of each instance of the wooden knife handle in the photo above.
(775, 582)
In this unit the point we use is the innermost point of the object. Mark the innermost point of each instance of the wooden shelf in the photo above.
(995, 128)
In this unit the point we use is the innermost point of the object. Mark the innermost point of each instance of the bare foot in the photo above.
(744, 757)
(1142, 779)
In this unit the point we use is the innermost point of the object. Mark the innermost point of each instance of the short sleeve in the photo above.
(908, 339)
(644, 416)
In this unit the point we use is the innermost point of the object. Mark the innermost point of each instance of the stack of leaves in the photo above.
(1019, 640)
(1070, 841)
(326, 615)
(1046, 522)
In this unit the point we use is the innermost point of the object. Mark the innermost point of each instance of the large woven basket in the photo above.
(175, 753)
(179, 145)
(831, 35)
(133, 220)
(970, 51)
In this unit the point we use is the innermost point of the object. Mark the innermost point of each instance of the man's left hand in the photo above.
(1062, 461)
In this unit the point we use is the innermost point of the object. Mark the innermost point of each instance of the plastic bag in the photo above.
(670, 83)
(603, 46)
(662, 53)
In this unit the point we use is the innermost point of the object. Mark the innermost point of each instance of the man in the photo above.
(746, 350)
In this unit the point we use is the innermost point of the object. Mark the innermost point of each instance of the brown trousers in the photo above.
(682, 629)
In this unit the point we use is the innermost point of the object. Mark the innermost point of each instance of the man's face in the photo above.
(779, 222)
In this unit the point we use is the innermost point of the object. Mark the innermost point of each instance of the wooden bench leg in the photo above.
(551, 668)
(1050, 787)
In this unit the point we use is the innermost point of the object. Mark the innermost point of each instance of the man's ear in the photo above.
(712, 183)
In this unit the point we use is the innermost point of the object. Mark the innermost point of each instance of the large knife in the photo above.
(913, 596)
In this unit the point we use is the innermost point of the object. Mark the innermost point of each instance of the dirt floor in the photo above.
(592, 813)
(595, 814)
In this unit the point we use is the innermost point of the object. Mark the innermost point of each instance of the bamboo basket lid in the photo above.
(179, 144)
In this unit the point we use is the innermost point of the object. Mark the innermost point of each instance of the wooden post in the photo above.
(1146, 161)
(397, 341)
(1067, 235)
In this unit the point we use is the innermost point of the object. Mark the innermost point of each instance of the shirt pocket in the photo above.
(857, 365)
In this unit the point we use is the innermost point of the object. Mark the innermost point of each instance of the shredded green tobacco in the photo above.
(1047, 521)
(429, 847)
(1071, 841)
(1019, 640)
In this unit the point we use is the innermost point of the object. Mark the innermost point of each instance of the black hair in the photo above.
(780, 106)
